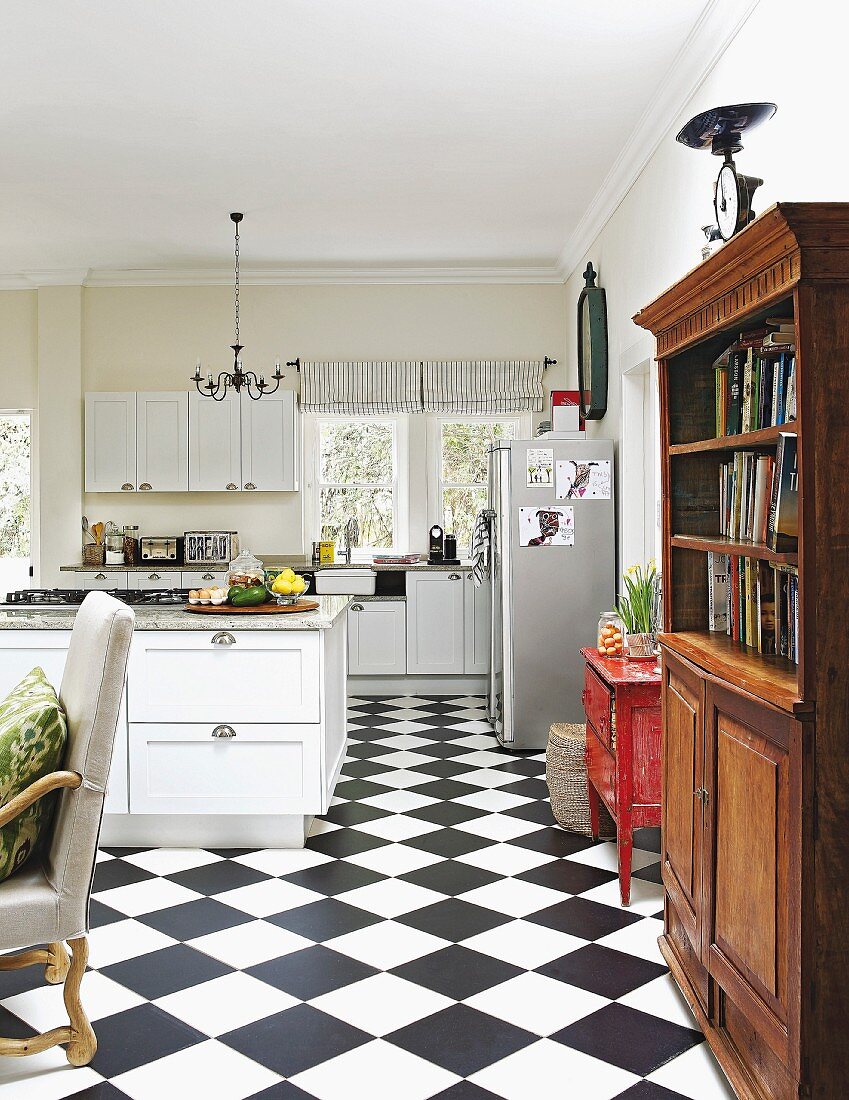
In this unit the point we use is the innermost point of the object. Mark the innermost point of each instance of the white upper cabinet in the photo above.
(270, 443)
(110, 442)
(435, 635)
(162, 442)
(215, 433)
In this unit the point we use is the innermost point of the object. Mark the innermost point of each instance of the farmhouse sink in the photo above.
(346, 582)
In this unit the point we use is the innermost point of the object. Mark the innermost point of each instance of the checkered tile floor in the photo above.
(438, 937)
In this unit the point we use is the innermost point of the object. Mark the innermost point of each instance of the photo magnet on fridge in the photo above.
(540, 467)
(547, 526)
(587, 479)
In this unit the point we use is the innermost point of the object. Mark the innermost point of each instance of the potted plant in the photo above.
(637, 608)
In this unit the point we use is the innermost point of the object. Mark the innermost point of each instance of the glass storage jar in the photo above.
(611, 635)
(245, 571)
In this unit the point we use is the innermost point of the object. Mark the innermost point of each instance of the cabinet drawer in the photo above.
(155, 579)
(601, 769)
(225, 676)
(596, 699)
(103, 581)
(190, 769)
(201, 578)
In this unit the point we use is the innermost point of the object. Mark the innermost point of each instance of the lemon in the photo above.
(289, 574)
(298, 585)
(282, 586)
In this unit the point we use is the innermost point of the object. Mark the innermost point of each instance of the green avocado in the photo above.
(247, 597)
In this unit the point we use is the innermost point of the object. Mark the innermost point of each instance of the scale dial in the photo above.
(728, 202)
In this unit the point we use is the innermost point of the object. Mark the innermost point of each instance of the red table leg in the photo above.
(625, 849)
(592, 795)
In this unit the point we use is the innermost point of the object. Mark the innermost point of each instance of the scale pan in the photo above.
(720, 128)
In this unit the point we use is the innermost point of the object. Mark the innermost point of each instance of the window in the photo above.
(359, 475)
(15, 502)
(461, 467)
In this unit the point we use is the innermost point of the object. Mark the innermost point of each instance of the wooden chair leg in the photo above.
(56, 967)
(83, 1044)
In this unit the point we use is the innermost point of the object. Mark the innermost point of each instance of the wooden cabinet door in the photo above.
(749, 842)
(477, 625)
(215, 443)
(110, 442)
(377, 638)
(270, 443)
(682, 700)
(162, 442)
(435, 636)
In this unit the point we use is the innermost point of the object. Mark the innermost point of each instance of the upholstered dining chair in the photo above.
(47, 901)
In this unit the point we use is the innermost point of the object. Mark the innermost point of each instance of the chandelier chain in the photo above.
(236, 284)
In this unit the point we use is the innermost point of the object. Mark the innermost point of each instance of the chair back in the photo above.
(92, 686)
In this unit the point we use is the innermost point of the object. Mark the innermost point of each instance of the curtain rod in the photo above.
(546, 363)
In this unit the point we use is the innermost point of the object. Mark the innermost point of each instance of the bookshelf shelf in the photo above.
(771, 679)
(719, 544)
(755, 867)
(748, 441)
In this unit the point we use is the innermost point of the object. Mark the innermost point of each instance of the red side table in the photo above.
(622, 702)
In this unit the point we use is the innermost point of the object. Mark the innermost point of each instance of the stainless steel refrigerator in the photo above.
(547, 594)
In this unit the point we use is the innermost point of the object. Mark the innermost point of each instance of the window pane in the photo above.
(372, 509)
(464, 449)
(356, 451)
(14, 503)
(461, 506)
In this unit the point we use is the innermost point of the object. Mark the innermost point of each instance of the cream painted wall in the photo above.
(18, 349)
(793, 56)
(150, 338)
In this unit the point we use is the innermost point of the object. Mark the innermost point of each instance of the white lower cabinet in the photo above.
(226, 768)
(476, 620)
(201, 578)
(377, 638)
(225, 676)
(435, 631)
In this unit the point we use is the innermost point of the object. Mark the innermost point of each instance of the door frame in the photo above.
(639, 450)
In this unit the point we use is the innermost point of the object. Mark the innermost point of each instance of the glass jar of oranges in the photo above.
(611, 635)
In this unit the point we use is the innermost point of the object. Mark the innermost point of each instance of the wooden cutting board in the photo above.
(262, 609)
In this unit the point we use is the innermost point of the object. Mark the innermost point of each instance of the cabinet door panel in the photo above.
(377, 639)
(435, 637)
(215, 440)
(748, 778)
(110, 442)
(477, 625)
(270, 443)
(683, 763)
(162, 442)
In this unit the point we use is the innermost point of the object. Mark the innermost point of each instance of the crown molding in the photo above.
(712, 34)
(319, 276)
(32, 280)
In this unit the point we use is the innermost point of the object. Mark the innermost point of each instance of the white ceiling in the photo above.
(353, 133)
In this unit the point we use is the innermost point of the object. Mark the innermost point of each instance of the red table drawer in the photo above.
(596, 699)
(601, 769)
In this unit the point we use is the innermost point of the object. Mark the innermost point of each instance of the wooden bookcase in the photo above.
(755, 795)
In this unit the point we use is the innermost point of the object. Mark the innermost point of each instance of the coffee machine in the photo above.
(436, 547)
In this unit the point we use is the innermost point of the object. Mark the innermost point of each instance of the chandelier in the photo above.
(238, 379)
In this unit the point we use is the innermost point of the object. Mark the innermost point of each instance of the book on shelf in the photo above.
(762, 604)
(755, 385)
(745, 493)
(782, 534)
(717, 591)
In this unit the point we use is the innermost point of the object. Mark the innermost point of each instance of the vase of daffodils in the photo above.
(637, 607)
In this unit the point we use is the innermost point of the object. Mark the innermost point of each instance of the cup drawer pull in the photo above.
(223, 731)
(223, 637)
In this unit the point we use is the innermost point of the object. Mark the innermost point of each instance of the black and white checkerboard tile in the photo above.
(438, 937)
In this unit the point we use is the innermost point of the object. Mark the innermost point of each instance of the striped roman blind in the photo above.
(483, 386)
(361, 388)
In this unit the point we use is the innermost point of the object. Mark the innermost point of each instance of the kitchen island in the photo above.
(232, 730)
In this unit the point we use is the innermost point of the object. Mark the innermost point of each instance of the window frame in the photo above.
(399, 485)
(435, 483)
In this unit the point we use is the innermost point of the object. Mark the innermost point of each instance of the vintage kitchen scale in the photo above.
(720, 130)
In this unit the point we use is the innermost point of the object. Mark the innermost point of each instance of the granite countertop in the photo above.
(271, 561)
(175, 618)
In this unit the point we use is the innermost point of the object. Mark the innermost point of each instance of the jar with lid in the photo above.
(245, 571)
(611, 635)
(131, 544)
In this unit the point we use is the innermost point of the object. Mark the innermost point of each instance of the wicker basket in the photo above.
(566, 775)
(93, 554)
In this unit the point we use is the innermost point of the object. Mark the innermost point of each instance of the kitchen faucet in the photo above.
(352, 537)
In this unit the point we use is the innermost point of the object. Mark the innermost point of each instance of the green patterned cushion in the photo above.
(32, 742)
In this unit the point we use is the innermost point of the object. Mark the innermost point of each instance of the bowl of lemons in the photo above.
(287, 586)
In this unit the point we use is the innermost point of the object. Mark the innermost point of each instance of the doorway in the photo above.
(640, 454)
(16, 512)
